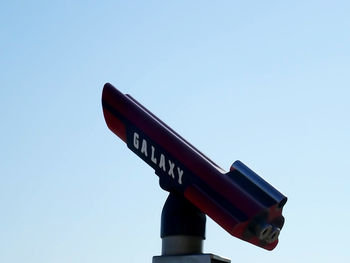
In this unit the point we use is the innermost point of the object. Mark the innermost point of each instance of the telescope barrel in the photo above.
(240, 201)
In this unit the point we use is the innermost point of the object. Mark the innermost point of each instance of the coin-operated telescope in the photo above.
(239, 200)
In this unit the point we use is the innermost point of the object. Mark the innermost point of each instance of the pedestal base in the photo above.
(196, 258)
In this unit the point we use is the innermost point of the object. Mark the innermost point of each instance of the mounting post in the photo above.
(183, 233)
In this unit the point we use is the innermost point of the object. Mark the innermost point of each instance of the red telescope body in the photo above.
(239, 200)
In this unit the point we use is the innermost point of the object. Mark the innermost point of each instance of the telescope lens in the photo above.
(265, 231)
(274, 235)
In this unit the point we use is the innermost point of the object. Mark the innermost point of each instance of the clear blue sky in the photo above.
(266, 82)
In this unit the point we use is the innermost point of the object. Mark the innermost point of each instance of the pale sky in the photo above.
(265, 82)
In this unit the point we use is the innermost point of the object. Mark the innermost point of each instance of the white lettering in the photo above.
(153, 159)
(144, 147)
(162, 162)
(154, 151)
(171, 169)
(136, 140)
(180, 172)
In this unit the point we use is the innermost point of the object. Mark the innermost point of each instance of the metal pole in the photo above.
(183, 233)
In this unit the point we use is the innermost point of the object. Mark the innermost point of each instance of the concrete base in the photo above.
(196, 258)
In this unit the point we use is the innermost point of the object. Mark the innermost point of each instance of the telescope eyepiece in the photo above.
(265, 231)
(273, 235)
